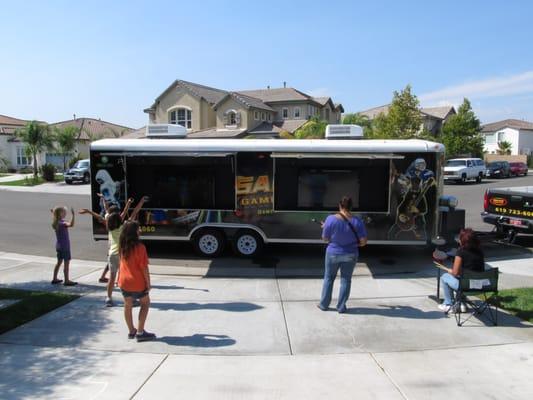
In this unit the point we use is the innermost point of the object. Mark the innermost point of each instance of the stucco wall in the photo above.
(304, 110)
(231, 104)
(525, 142)
(508, 135)
(179, 97)
(498, 157)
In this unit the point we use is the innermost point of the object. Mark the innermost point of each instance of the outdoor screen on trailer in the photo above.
(322, 188)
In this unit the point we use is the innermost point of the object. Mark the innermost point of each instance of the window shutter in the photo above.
(238, 118)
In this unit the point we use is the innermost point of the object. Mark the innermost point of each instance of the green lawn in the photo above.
(518, 302)
(30, 181)
(31, 306)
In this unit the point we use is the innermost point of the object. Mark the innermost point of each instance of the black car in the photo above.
(499, 169)
(81, 171)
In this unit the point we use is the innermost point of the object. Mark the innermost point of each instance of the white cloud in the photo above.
(491, 87)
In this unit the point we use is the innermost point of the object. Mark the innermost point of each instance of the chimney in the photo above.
(74, 116)
(268, 87)
(284, 84)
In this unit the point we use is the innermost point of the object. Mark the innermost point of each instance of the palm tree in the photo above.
(504, 147)
(37, 138)
(66, 141)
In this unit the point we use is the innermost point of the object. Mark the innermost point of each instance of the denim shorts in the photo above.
(113, 260)
(63, 255)
(134, 295)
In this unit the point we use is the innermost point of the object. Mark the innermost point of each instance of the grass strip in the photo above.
(32, 305)
(30, 181)
(518, 302)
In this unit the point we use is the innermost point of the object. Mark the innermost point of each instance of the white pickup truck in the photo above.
(463, 169)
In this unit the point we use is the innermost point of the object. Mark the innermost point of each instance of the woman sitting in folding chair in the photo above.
(469, 256)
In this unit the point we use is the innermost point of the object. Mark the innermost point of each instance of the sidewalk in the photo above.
(262, 338)
(14, 177)
(50, 187)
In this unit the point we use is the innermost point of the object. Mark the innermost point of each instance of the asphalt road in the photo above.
(25, 225)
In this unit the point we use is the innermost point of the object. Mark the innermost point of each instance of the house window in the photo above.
(490, 138)
(181, 116)
(285, 113)
(263, 116)
(22, 159)
(269, 116)
(232, 118)
(256, 115)
(501, 136)
(327, 114)
(296, 112)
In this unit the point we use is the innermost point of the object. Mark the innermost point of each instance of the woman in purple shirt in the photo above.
(344, 234)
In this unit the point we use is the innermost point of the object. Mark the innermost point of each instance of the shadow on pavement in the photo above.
(178, 287)
(229, 307)
(397, 312)
(198, 340)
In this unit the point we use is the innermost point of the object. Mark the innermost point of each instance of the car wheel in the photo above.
(69, 182)
(479, 178)
(525, 173)
(247, 243)
(86, 178)
(209, 242)
(463, 178)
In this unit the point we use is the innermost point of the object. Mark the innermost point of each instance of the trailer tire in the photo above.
(209, 242)
(247, 243)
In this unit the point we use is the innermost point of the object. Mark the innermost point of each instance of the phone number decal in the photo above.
(512, 211)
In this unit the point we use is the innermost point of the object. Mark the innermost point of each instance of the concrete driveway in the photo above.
(263, 338)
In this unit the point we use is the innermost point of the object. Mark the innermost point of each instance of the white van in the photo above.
(462, 169)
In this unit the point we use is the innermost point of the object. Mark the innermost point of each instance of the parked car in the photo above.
(498, 169)
(462, 169)
(81, 171)
(518, 168)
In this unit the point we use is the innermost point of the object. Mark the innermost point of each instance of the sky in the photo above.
(111, 59)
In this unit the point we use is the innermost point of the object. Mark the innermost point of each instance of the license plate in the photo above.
(515, 222)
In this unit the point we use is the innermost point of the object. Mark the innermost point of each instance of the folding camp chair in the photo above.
(477, 283)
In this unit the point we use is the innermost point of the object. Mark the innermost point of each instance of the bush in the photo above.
(530, 161)
(48, 172)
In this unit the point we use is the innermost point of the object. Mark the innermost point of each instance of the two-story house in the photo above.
(432, 117)
(213, 113)
(517, 132)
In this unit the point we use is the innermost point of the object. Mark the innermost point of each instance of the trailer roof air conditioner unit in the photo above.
(165, 131)
(344, 132)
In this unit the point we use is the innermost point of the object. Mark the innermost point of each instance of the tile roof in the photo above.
(435, 112)
(5, 120)
(247, 101)
(322, 100)
(289, 125)
(136, 134)
(210, 94)
(91, 128)
(277, 94)
(213, 133)
(438, 112)
(508, 123)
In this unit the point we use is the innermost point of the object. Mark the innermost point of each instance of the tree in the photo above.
(359, 119)
(461, 133)
(315, 128)
(403, 119)
(37, 138)
(504, 147)
(66, 141)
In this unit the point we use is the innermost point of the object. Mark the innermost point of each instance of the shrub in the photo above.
(48, 172)
(530, 161)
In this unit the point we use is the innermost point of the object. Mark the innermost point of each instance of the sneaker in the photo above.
(145, 336)
(132, 335)
(109, 302)
(342, 310)
(445, 307)
(322, 308)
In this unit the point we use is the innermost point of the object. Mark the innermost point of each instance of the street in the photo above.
(25, 229)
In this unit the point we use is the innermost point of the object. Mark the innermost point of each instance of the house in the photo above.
(13, 150)
(208, 112)
(432, 117)
(89, 130)
(517, 132)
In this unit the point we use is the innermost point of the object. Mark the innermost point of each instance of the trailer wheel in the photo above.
(247, 243)
(209, 242)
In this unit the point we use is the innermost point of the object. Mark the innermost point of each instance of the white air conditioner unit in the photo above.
(165, 131)
(344, 132)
